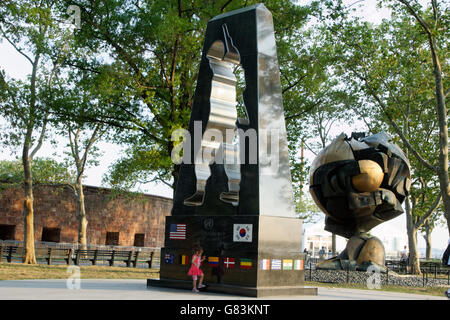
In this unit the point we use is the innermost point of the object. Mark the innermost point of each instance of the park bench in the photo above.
(396, 265)
(3, 251)
(142, 257)
(101, 255)
(83, 254)
(129, 257)
(10, 252)
(124, 256)
(60, 254)
(41, 253)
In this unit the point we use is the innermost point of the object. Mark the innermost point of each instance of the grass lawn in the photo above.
(18, 271)
(434, 291)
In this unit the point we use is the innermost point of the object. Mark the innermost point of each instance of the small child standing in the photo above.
(195, 270)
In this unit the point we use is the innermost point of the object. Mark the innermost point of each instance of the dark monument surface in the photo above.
(241, 214)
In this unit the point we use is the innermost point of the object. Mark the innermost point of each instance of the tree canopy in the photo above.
(44, 170)
(128, 72)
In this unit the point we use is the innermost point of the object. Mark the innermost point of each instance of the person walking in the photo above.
(195, 271)
(322, 254)
(330, 254)
(404, 255)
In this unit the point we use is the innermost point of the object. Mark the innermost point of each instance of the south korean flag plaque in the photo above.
(242, 232)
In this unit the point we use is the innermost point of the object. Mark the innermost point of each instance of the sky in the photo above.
(17, 66)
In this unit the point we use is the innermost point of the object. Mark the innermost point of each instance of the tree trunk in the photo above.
(446, 199)
(175, 168)
(441, 110)
(175, 175)
(29, 256)
(28, 214)
(413, 260)
(81, 214)
(333, 244)
(427, 237)
(443, 132)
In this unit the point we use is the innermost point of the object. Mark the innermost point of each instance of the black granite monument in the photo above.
(240, 212)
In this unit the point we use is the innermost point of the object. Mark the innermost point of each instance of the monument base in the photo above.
(245, 255)
(235, 289)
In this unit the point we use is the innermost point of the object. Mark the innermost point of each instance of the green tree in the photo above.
(82, 153)
(152, 52)
(31, 29)
(77, 96)
(307, 210)
(388, 68)
(432, 22)
(315, 102)
(44, 171)
(427, 229)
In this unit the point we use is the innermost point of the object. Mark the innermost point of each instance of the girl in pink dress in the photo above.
(195, 270)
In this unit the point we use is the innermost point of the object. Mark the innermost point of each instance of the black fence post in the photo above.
(94, 261)
(310, 271)
(423, 278)
(136, 259)
(10, 252)
(111, 262)
(152, 255)
(50, 253)
(77, 257)
(348, 273)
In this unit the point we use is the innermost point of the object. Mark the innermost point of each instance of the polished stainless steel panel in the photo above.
(222, 118)
(261, 185)
(275, 184)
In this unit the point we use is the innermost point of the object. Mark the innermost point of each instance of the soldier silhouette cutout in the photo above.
(223, 58)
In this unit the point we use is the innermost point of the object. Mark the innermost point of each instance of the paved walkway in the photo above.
(137, 290)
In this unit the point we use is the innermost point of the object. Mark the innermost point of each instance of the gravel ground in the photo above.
(340, 276)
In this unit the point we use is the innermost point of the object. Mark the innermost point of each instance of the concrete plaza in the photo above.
(92, 289)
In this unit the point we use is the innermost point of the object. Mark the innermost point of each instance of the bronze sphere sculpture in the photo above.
(359, 182)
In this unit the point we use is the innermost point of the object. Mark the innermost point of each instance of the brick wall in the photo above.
(55, 207)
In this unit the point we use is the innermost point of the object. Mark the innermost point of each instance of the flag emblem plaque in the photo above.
(242, 232)
(177, 231)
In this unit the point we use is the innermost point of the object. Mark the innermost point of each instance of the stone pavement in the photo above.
(92, 289)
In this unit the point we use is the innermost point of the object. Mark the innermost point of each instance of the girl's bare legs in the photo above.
(200, 281)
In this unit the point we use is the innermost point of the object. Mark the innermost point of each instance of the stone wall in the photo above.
(55, 207)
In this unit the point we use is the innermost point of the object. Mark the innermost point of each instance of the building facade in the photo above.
(136, 220)
(316, 238)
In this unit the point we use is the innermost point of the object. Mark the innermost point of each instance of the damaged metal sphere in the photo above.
(370, 178)
(359, 182)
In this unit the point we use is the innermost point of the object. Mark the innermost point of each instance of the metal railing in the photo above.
(433, 269)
